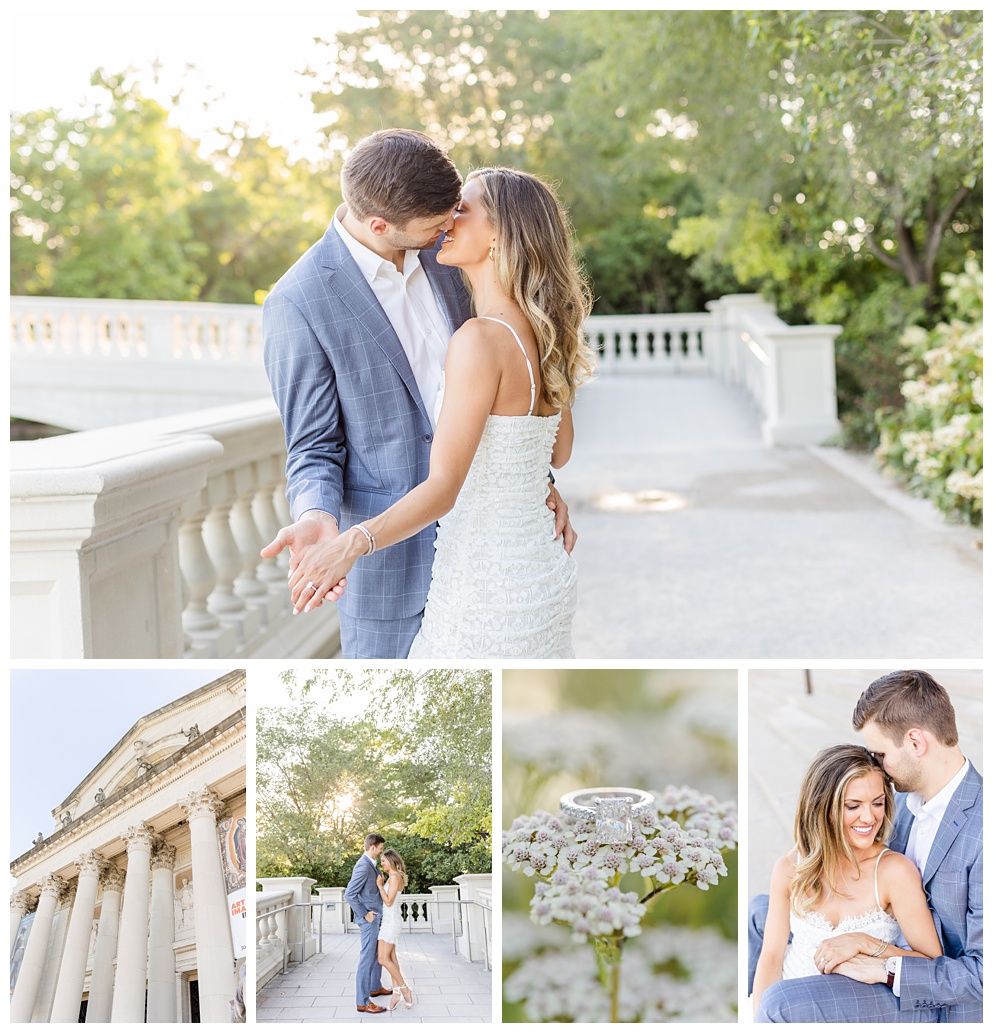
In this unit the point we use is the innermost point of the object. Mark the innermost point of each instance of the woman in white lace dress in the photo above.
(502, 585)
(841, 891)
(391, 889)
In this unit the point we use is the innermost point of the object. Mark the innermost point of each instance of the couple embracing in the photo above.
(375, 903)
(876, 914)
(424, 356)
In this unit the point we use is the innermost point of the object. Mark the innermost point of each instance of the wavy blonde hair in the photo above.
(536, 267)
(819, 829)
(397, 861)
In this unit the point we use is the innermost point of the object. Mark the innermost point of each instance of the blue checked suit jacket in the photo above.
(362, 893)
(953, 882)
(358, 436)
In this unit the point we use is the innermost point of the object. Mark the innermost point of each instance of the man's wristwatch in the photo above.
(891, 966)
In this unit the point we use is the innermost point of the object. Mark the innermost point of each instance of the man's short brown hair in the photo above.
(373, 839)
(399, 175)
(903, 700)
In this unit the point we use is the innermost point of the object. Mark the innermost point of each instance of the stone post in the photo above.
(132, 946)
(72, 973)
(161, 935)
(471, 943)
(98, 1008)
(299, 928)
(215, 954)
(32, 964)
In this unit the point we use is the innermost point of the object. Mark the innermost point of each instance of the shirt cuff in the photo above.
(896, 978)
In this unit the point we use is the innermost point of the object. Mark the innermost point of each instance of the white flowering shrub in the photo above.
(936, 440)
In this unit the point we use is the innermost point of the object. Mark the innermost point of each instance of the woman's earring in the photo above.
(491, 252)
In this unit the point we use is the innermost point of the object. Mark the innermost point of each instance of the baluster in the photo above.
(226, 557)
(207, 636)
(249, 541)
(271, 572)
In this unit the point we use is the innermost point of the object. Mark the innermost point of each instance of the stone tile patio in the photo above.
(447, 988)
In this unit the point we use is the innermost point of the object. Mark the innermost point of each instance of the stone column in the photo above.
(72, 972)
(215, 954)
(20, 905)
(32, 964)
(102, 980)
(161, 935)
(132, 945)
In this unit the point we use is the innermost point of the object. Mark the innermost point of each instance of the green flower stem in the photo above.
(608, 957)
(656, 892)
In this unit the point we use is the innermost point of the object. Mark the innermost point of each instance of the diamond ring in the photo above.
(312, 586)
(612, 808)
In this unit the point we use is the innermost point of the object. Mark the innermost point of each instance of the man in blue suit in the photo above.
(908, 722)
(355, 336)
(362, 895)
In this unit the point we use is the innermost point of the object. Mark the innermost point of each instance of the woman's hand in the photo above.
(835, 950)
(379, 880)
(319, 567)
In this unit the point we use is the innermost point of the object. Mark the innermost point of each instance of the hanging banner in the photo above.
(233, 835)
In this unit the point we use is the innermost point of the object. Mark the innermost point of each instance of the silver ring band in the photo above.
(613, 808)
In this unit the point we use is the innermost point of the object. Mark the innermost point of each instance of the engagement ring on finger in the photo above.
(312, 587)
(612, 808)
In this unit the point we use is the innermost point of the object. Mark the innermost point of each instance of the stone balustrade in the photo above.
(270, 933)
(83, 363)
(143, 541)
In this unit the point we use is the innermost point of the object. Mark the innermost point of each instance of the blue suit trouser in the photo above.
(822, 998)
(363, 639)
(369, 976)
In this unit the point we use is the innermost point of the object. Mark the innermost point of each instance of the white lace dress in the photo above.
(810, 928)
(501, 586)
(389, 926)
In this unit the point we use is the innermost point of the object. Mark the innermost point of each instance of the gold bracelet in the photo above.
(370, 536)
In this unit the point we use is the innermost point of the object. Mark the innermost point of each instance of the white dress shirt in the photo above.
(410, 305)
(927, 820)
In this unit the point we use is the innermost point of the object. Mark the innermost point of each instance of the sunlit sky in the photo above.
(248, 54)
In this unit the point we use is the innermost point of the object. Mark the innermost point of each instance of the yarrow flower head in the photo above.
(586, 901)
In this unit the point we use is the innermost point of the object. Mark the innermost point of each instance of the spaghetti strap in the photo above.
(875, 877)
(523, 352)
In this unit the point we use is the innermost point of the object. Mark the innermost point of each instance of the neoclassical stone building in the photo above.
(131, 910)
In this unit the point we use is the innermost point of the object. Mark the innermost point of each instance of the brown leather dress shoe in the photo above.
(370, 1008)
(380, 993)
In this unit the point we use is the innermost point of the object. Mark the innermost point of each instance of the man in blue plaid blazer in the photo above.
(908, 722)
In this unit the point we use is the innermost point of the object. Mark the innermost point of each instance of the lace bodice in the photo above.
(501, 586)
(811, 927)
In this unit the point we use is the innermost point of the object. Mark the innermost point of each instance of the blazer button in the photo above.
(427, 437)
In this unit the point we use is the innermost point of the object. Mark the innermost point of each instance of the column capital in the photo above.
(202, 803)
(163, 856)
(113, 878)
(21, 902)
(139, 836)
(90, 863)
(53, 886)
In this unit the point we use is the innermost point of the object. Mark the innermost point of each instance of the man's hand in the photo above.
(370, 916)
(563, 529)
(863, 969)
(312, 529)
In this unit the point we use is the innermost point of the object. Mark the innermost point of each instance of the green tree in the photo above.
(99, 203)
(444, 720)
(322, 784)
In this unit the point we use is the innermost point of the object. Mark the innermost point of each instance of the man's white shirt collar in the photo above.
(370, 264)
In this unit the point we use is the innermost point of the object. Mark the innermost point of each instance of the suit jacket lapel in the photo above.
(345, 279)
(960, 804)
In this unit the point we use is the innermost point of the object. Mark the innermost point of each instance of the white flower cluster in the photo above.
(670, 973)
(680, 840)
(586, 901)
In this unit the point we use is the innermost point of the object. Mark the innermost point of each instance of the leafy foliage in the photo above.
(936, 440)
